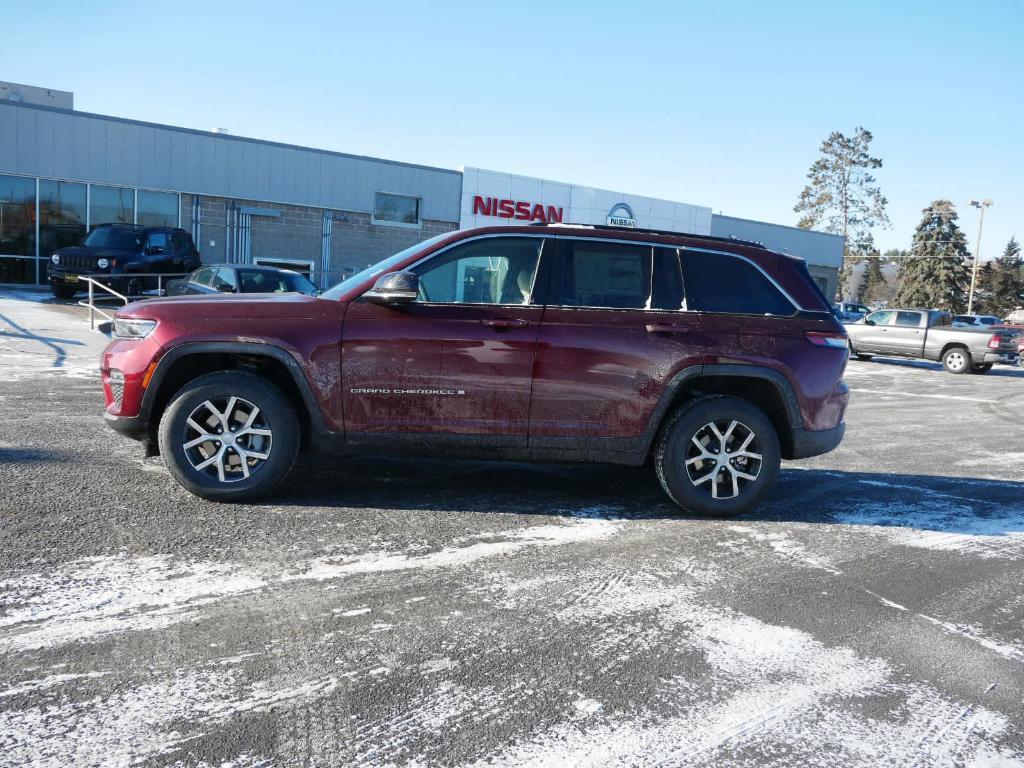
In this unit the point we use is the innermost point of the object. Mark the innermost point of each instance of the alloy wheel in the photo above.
(227, 438)
(956, 360)
(725, 457)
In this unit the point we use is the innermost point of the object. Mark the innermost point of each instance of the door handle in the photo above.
(666, 328)
(504, 322)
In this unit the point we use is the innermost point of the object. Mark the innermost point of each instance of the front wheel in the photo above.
(957, 360)
(717, 456)
(981, 368)
(229, 436)
(63, 290)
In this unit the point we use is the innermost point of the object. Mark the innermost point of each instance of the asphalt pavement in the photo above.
(472, 613)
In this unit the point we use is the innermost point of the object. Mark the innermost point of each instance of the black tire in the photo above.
(857, 354)
(675, 441)
(63, 290)
(981, 368)
(957, 360)
(277, 415)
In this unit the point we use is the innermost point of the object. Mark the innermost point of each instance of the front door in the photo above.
(611, 339)
(875, 337)
(457, 363)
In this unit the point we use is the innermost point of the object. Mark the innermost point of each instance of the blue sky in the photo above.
(720, 104)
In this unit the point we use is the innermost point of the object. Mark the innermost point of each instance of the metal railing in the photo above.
(94, 283)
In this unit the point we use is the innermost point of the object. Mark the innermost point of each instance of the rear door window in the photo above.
(908, 319)
(720, 282)
(606, 275)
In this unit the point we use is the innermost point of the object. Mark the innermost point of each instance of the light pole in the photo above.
(981, 205)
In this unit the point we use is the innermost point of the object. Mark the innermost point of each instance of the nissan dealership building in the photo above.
(328, 214)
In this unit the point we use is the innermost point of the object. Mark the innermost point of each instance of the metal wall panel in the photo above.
(819, 248)
(43, 141)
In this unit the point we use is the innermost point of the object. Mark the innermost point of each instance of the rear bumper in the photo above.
(1001, 357)
(807, 443)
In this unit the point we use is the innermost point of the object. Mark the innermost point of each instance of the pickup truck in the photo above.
(929, 334)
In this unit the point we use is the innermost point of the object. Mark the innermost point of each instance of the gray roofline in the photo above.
(773, 224)
(227, 136)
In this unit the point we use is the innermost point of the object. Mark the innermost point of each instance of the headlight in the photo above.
(102, 263)
(133, 329)
(55, 258)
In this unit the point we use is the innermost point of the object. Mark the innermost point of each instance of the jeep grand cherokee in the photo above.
(711, 359)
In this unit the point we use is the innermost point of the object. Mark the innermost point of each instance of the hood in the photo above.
(284, 306)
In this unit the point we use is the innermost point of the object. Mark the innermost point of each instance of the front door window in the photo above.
(495, 270)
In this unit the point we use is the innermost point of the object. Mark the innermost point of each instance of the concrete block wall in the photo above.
(297, 233)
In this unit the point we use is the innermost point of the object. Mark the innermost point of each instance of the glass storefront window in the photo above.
(17, 229)
(158, 209)
(111, 205)
(61, 215)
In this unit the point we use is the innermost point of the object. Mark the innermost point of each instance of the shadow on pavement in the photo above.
(1000, 369)
(950, 504)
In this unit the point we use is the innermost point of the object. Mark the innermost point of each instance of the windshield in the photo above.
(380, 267)
(111, 237)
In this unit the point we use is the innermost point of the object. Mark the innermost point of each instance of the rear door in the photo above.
(457, 362)
(906, 334)
(615, 332)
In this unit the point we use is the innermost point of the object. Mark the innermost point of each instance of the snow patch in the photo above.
(944, 525)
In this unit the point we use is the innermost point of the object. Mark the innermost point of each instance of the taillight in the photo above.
(994, 342)
(825, 339)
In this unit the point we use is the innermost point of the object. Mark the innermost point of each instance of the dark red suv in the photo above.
(712, 359)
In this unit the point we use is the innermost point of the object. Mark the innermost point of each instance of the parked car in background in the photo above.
(975, 321)
(119, 255)
(1020, 351)
(241, 278)
(929, 334)
(711, 359)
(850, 312)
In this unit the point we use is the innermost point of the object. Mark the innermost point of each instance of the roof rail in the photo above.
(713, 238)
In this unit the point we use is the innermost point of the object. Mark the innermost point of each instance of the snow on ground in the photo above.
(40, 339)
(95, 597)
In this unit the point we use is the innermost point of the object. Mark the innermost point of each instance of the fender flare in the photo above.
(694, 373)
(176, 353)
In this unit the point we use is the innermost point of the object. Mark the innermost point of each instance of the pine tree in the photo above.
(875, 287)
(936, 275)
(842, 197)
(1000, 288)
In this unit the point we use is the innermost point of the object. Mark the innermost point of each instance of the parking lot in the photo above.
(438, 613)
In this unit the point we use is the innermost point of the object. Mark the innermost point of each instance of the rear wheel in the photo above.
(957, 360)
(63, 290)
(229, 436)
(857, 354)
(981, 368)
(717, 456)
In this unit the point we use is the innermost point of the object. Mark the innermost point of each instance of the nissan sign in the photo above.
(621, 215)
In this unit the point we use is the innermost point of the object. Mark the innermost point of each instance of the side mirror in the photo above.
(868, 322)
(155, 249)
(395, 288)
(225, 288)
